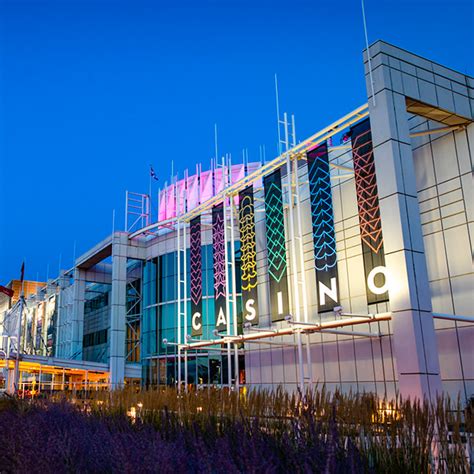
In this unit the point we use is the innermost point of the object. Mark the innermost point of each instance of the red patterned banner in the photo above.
(369, 211)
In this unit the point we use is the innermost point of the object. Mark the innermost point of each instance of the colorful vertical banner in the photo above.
(218, 247)
(196, 276)
(276, 246)
(248, 249)
(369, 212)
(324, 237)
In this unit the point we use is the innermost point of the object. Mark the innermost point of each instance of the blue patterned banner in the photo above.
(323, 228)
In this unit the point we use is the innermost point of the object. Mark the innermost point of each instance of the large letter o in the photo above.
(378, 290)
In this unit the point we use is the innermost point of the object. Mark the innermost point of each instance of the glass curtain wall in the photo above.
(95, 345)
(159, 360)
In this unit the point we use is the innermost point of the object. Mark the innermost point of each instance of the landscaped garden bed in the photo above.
(221, 431)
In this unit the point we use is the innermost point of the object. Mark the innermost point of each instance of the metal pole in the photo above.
(185, 308)
(215, 142)
(126, 213)
(178, 246)
(301, 257)
(58, 316)
(278, 115)
(296, 297)
(234, 284)
(369, 59)
(18, 341)
(227, 296)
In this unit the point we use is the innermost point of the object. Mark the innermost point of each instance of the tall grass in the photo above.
(275, 431)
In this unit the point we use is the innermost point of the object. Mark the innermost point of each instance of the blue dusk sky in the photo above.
(92, 92)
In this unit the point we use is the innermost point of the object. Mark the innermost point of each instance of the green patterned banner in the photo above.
(276, 246)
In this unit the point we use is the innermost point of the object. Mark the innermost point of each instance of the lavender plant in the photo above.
(217, 431)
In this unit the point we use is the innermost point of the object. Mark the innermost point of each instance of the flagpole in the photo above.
(18, 336)
(149, 194)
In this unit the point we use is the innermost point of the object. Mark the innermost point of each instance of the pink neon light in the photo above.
(163, 203)
(170, 202)
(219, 253)
(237, 173)
(206, 186)
(181, 190)
(251, 167)
(199, 188)
(218, 180)
(193, 191)
(196, 261)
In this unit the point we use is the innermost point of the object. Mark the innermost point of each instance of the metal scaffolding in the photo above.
(297, 152)
(290, 154)
(137, 211)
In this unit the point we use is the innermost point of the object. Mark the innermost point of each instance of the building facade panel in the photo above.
(401, 206)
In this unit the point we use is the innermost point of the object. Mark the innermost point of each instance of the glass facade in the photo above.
(160, 321)
(95, 345)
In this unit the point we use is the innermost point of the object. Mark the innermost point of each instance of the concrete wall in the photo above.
(443, 164)
(442, 199)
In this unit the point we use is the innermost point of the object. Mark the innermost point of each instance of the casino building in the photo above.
(344, 261)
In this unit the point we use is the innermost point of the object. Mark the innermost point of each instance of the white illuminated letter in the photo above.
(280, 302)
(196, 324)
(251, 312)
(331, 292)
(378, 290)
(221, 318)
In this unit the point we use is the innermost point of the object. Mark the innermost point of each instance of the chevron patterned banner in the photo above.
(218, 247)
(196, 276)
(368, 205)
(324, 237)
(248, 249)
(276, 246)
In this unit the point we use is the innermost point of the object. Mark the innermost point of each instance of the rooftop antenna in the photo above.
(113, 221)
(278, 114)
(215, 142)
(74, 254)
(369, 59)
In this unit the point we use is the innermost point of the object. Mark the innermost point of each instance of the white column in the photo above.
(77, 318)
(414, 336)
(118, 310)
(61, 312)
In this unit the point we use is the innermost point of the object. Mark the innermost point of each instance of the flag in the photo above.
(6, 291)
(346, 137)
(22, 272)
(153, 174)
